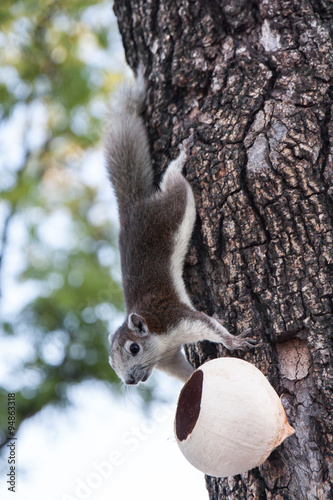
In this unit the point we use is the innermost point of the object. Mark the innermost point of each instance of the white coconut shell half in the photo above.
(229, 418)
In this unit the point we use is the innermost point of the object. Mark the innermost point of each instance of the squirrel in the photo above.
(156, 225)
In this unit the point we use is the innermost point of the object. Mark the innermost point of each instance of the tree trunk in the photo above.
(252, 80)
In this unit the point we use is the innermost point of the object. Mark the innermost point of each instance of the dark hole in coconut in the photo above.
(189, 404)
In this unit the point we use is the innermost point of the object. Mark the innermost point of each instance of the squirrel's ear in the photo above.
(137, 324)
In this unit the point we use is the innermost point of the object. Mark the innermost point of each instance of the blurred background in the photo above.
(80, 434)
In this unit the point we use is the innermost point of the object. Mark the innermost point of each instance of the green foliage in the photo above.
(54, 87)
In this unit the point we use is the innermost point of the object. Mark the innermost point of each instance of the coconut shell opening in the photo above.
(189, 405)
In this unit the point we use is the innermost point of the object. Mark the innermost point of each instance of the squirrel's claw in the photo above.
(242, 341)
(187, 144)
(245, 342)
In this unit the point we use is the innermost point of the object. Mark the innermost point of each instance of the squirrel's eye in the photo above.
(134, 348)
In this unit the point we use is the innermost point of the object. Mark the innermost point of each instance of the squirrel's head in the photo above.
(134, 351)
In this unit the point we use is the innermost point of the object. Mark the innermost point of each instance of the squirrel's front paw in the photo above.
(243, 341)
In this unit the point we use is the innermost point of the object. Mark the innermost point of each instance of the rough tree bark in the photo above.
(253, 80)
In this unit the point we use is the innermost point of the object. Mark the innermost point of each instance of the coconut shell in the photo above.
(229, 418)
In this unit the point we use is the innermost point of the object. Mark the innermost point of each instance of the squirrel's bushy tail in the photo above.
(126, 144)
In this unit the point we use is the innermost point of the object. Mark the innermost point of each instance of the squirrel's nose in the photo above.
(130, 380)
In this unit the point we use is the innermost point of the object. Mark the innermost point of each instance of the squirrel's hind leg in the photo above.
(173, 173)
(177, 196)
